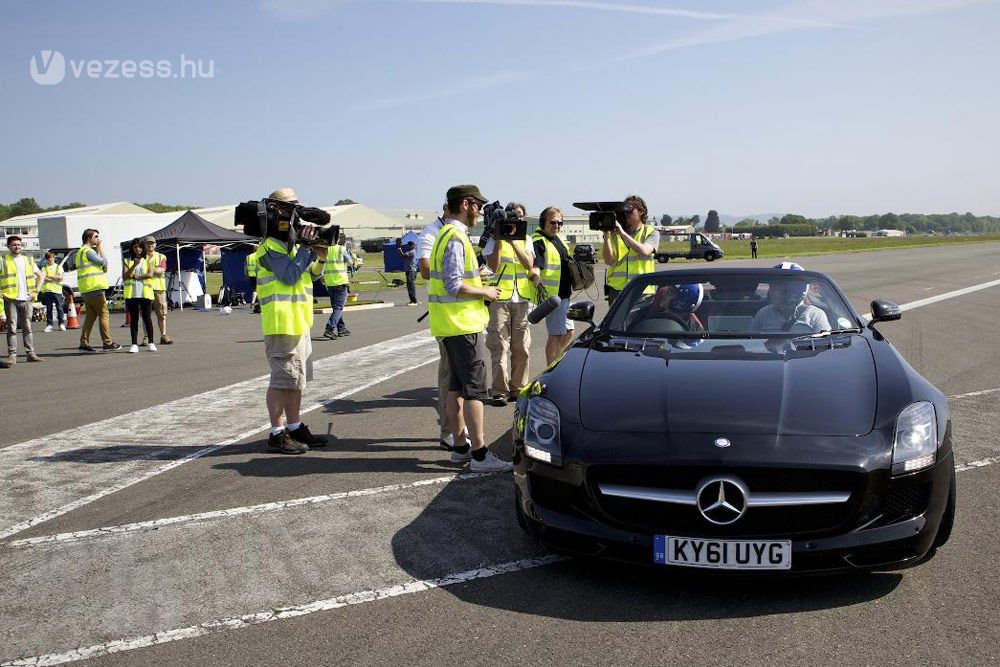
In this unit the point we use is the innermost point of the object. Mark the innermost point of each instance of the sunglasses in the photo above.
(556, 222)
(628, 208)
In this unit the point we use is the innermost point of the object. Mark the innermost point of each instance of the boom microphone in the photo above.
(539, 312)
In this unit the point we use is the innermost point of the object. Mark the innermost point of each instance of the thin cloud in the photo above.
(442, 92)
(818, 13)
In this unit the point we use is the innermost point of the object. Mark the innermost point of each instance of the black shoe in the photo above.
(330, 334)
(497, 401)
(285, 444)
(114, 347)
(86, 348)
(302, 434)
(345, 332)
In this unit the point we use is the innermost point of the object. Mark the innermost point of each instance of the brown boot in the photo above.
(34, 357)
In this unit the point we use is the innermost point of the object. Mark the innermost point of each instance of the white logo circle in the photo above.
(49, 69)
(722, 442)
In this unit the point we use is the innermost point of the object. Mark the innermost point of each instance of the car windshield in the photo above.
(730, 306)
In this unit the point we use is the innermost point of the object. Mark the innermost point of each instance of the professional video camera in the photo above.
(282, 220)
(604, 213)
(502, 224)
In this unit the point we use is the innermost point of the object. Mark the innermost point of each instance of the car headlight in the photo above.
(541, 431)
(915, 443)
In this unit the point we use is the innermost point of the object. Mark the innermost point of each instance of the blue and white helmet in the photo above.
(688, 298)
(794, 291)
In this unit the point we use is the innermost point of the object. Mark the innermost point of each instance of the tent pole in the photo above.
(180, 282)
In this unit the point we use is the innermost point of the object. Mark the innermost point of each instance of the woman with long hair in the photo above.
(137, 278)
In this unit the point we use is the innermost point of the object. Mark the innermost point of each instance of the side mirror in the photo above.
(581, 311)
(885, 311)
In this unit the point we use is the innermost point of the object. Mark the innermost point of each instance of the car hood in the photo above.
(736, 387)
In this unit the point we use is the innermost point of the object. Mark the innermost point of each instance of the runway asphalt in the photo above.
(142, 520)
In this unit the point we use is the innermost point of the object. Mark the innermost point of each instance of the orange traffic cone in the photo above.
(71, 322)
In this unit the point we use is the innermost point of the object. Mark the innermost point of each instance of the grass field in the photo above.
(373, 279)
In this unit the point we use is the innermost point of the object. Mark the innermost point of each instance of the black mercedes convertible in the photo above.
(745, 419)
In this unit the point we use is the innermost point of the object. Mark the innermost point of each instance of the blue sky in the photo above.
(820, 108)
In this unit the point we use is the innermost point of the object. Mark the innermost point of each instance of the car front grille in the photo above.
(654, 517)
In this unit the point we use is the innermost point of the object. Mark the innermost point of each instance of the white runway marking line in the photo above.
(247, 620)
(233, 512)
(943, 297)
(981, 392)
(38, 477)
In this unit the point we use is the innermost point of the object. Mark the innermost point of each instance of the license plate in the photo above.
(723, 554)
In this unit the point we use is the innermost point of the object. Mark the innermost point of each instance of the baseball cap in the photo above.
(148, 238)
(465, 191)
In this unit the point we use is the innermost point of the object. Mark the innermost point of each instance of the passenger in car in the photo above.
(678, 302)
(788, 311)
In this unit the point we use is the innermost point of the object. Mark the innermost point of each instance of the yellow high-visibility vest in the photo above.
(137, 288)
(8, 278)
(629, 264)
(335, 269)
(250, 265)
(551, 272)
(90, 277)
(510, 271)
(285, 309)
(158, 283)
(51, 271)
(461, 314)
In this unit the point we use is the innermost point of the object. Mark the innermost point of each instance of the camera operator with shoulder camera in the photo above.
(508, 336)
(285, 273)
(458, 318)
(629, 248)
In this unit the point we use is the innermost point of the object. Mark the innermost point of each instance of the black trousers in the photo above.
(135, 307)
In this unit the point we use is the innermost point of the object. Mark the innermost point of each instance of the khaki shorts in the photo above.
(290, 358)
(160, 303)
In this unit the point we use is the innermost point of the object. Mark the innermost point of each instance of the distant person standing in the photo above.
(92, 278)
(753, 248)
(157, 265)
(409, 255)
(137, 275)
(18, 281)
(336, 280)
(51, 294)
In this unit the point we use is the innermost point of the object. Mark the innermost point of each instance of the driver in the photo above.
(678, 302)
(788, 311)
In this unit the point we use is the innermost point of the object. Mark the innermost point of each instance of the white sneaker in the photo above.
(490, 464)
(134, 349)
(152, 347)
(62, 327)
(48, 329)
(458, 457)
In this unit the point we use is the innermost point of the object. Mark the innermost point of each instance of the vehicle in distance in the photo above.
(699, 247)
(746, 420)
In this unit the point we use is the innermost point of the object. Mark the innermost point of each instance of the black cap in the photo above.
(465, 191)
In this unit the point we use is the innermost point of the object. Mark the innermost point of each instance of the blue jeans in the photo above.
(53, 301)
(338, 298)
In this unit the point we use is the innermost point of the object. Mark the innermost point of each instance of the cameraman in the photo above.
(508, 334)
(552, 258)
(285, 273)
(458, 318)
(629, 249)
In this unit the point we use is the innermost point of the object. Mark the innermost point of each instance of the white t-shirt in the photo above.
(21, 262)
(425, 242)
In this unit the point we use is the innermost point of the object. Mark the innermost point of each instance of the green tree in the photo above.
(157, 207)
(666, 220)
(792, 219)
(745, 223)
(712, 224)
(24, 206)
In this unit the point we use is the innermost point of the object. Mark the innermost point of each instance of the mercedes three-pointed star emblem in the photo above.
(722, 500)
